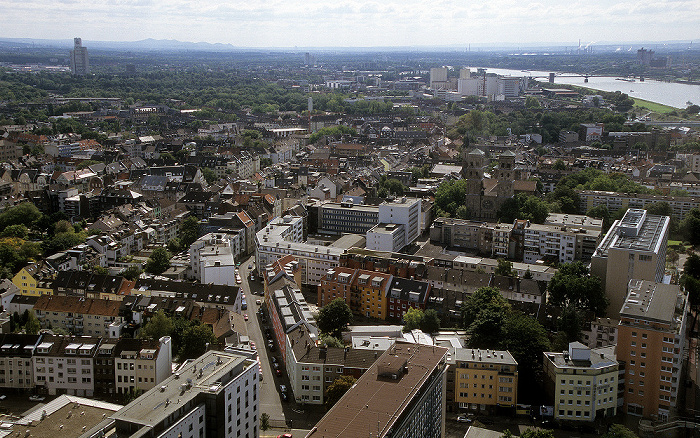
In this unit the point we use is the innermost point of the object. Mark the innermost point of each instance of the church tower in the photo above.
(505, 174)
(474, 175)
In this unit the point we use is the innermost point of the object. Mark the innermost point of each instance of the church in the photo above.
(486, 193)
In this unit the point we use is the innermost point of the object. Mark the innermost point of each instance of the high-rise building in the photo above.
(79, 60)
(650, 341)
(402, 395)
(215, 395)
(634, 247)
(438, 78)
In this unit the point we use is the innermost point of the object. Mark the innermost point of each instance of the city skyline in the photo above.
(353, 23)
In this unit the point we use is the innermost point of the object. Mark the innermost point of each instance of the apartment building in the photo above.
(215, 395)
(79, 316)
(560, 243)
(484, 379)
(313, 368)
(460, 233)
(16, 369)
(680, 205)
(633, 248)
(35, 279)
(142, 364)
(405, 294)
(403, 391)
(288, 309)
(212, 258)
(651, 342)
(602, 333)
(64, 365)
(283, 236)
(582, 383)
(346, 217)
(364, 291)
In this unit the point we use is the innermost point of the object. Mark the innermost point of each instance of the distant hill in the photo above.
(146, 45)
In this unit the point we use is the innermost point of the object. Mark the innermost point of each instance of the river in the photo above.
(667, 93)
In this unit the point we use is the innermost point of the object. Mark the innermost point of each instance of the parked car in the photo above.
(285, 435)
(465, 419)
(245, 317)
(258, 302)
(36, 398)
(3, 397)
(278, 372)
(283, 388)
(284, 396)
(273, 359)
(271, 345)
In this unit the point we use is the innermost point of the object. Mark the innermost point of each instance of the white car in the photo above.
(36, 398)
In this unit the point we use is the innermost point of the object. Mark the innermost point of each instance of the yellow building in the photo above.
(34, 279)
(484, 379)
(582, 383)
(371, 289)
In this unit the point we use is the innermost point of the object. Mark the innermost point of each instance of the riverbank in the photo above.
(653, 106)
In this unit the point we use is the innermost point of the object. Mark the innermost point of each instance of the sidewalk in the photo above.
(274, 433)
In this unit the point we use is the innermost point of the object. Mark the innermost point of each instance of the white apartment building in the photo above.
(284, 236)
(404, 211)
(213, 396)
(680, 205)
(386, 237)
(64, 365)
(212, 258)
(16, 369)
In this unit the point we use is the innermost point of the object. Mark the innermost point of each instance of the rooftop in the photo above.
(653, 301)
(383, 392)
(485, 356)
(636, 231)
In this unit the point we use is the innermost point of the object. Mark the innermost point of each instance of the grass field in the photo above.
(653, 106)
(674, 242)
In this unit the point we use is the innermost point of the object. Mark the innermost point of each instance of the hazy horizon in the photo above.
(349, 23)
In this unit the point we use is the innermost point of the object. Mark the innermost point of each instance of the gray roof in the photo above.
(652, 301)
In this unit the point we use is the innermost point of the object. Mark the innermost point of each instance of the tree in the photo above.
(334, 317)
(330, 341)
(196, 340)
(450, 195)
(504, 268)
(158, 262)
(337, 389)
(100, 270)
(19, 231)
(537, 433)
(573, 285)
(601, 212)
(412, 319)
(484, 298)
(523, 206)
(209, 175)
(174, 245)
(189, 232)
(570, 322)
(131, 273)
(691, 266)
(532, 102)
(619, 431)
(32, 325)
(431, 321)
(158, 326)
(264, 421)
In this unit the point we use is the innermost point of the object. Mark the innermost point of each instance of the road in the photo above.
(270, 402)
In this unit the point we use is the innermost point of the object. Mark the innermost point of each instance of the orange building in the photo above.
(364, 291)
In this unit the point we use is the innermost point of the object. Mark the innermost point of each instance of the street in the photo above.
(270, 402)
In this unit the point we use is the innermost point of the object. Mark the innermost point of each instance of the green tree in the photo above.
(330, 341)
(131, 273)
(20, 231)
(32, 325)
(691, 266)
(619, 431)
(209, 175)
(537, 433)
(158, 262)
(601, 212)
(337, 389)
(431, 321)
(189, 232)
(449, 196)
(174, 245)
(412, 319)
(334, 317)
(196, 340)
(484, 298)
(532, 102)
(100, 270)
(689, 227)
(264, 421)
(158, 326)
(505, 268)
(573, 285)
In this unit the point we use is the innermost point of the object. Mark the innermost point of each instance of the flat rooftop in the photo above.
(203, 375)
(652, 301)
(635, 234)
(484, 356)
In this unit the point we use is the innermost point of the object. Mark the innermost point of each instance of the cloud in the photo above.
(352, 23)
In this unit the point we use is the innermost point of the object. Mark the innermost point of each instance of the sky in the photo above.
(353, 23)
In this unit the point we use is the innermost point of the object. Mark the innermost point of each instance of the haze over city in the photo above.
(315, 23)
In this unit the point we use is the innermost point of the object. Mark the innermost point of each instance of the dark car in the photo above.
(284, 396)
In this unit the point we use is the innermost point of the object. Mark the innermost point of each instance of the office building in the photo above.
(438, 78)
(633, 248)
(403, 211)
(582, 383)
(402, 395)
(215, 395)
(79, 60)
(346, 217)
(650, 341)
(484, 379)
